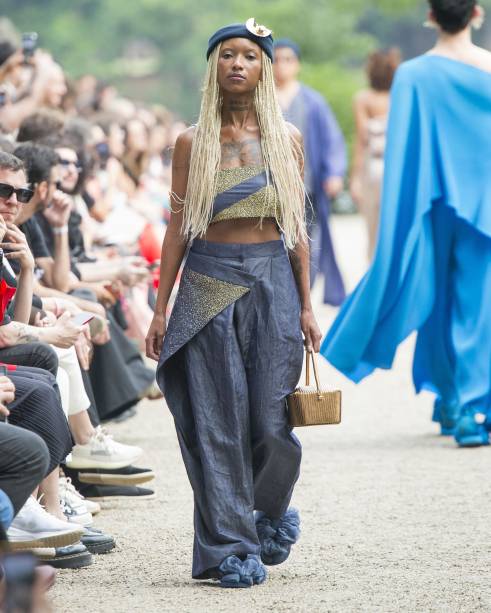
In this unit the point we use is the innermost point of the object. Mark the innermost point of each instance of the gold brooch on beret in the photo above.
(257, 29)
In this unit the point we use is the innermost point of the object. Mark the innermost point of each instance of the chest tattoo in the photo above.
(245, 152)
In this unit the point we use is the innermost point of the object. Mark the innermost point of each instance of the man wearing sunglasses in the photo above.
(43, 173)
(15, 194)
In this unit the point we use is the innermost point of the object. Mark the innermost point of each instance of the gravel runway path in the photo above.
(394, 517)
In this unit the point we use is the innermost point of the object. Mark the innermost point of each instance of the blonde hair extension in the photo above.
(282, 155)
(205, 156)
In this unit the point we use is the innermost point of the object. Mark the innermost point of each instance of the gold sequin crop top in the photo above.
(244, 193)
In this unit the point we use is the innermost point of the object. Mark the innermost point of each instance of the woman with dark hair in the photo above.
(232, 350)
(371, 107)
(432, 266)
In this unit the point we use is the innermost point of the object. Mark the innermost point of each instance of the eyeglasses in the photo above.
(67, 163)
(23, 194)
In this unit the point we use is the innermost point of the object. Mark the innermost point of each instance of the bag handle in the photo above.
(311, 356)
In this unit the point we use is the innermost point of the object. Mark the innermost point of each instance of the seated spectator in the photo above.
(115, 360)
(24, 461)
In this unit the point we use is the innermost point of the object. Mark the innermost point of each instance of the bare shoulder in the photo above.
(182, 149)
(295, 133)
(484, 58)
(185, 138)
(362, 98)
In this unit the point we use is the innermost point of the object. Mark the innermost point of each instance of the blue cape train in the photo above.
(432, 267)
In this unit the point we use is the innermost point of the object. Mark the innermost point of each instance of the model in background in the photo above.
(371, 109)
(325, 162)
(432, 266)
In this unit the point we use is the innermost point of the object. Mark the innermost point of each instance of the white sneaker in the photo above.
(73, 507)
(35, 527)
(103, 452)
(66, 484)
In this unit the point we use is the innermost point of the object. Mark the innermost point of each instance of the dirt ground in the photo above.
(394, 517)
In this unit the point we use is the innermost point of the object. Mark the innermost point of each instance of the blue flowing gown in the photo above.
(432, 267)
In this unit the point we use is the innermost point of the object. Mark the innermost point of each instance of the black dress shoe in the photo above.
(96, 541)
(109, 493)
(73, 556)
(129, 475)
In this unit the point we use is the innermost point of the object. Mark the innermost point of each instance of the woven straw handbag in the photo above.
(313, 407)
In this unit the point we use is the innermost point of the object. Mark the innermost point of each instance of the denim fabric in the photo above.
(226, 387)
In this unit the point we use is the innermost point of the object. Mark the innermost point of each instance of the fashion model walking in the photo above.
(232, 350)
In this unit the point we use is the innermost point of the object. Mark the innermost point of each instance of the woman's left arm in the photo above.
(300, 262)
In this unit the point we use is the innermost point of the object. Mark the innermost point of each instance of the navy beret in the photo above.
(258, 34)
(281, 43)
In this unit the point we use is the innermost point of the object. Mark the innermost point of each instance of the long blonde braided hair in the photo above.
(282, 156)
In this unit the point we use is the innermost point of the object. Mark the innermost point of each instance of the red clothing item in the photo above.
(6, 295)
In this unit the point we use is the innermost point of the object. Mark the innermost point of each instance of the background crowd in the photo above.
(84, 182)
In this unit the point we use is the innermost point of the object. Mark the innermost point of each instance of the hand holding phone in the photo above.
(80, 319)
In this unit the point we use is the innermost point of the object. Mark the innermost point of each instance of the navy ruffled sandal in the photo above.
(234, 572)
(277, 536)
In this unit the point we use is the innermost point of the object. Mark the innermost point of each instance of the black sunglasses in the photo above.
(70, 162)
(23, 194)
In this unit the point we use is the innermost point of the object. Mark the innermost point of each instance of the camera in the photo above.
(29, 43)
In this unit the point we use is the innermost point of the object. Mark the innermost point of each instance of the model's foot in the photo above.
(103, 452)
(471, 431)
(447, 415)
(236, 573)
(277, 536)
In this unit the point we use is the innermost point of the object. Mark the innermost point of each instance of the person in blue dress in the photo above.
(432, 267)
(325, 162)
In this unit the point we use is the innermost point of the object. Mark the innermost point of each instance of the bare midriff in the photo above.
(248, 230)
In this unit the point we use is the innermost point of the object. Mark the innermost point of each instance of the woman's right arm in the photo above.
(174, 245)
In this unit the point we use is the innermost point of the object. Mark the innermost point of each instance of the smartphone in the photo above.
(29, 44)
(80, 319)
(3, 98)
(19, 582)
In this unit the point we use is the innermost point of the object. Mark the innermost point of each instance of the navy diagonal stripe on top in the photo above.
(239, 192)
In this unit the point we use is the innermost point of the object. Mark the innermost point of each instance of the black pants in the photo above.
(37, 408)
(24, 460)
(118, 375)
(39, 355)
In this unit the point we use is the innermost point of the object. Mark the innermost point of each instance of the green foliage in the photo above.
(93, 35)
